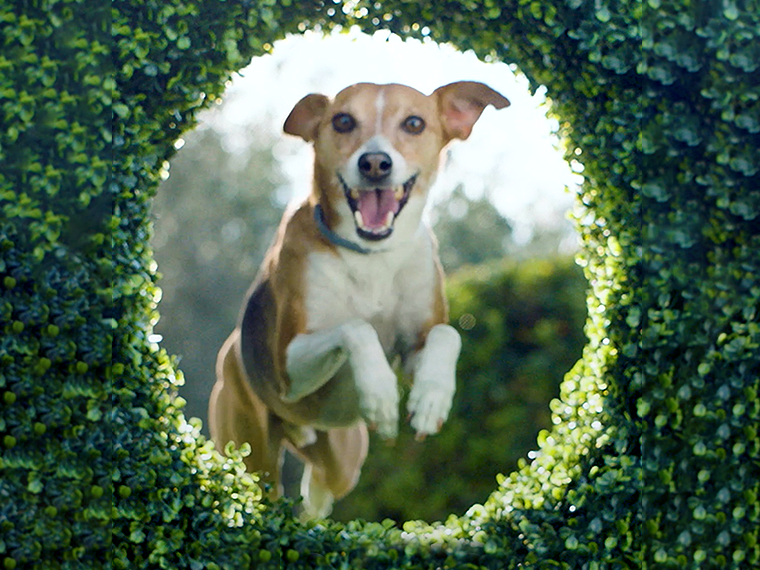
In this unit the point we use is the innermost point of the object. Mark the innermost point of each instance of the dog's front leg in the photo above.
(312, 359)
(434, 369)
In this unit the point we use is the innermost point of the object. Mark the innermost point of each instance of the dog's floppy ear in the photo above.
(461, 104)
(304, 119)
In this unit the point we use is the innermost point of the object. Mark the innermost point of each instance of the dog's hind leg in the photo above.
(331, 467)
(237, 414)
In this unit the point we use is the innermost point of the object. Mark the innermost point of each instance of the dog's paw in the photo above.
(379, 401)
(434, 380)
(428, 408)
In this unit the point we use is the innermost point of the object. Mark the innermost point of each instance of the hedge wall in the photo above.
(653, 459)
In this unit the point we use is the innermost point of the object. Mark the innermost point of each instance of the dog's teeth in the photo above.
(389, 219)
(399, 193)
(355, 194)
(358, 218)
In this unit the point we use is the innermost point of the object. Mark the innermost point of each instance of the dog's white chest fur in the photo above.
(392, 290)
(371, 290)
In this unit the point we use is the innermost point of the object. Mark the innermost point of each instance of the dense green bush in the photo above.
(653, 459)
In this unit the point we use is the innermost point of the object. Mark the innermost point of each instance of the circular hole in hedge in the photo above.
(498, 209)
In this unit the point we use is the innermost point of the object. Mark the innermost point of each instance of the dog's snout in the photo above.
(375, 166)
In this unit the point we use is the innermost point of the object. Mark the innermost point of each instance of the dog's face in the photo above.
(377, 150)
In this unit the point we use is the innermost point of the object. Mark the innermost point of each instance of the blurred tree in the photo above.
(216, 215)
(470, 231)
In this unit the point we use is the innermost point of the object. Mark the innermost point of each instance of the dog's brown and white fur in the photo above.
(351, 289)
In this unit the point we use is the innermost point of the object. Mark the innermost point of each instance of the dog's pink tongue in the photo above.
(374, 206)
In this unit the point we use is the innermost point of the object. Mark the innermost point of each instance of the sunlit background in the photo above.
(513, 156)
(504, 194)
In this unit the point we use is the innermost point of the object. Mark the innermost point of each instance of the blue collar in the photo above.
(332, 237)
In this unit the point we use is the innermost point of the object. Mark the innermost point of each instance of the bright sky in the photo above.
(512, 154)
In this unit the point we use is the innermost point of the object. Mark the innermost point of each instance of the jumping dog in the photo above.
(350, 292)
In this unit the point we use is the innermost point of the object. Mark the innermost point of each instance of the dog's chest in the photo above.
(382, 290)
(370, 292)
(337, 290)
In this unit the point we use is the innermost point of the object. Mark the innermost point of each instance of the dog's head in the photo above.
(377, 150)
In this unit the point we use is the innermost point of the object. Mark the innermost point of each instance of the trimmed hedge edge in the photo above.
(653, 460)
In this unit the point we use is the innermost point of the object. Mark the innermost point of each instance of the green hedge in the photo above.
(653, 459)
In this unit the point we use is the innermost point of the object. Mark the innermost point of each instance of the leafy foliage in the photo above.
(653, 458)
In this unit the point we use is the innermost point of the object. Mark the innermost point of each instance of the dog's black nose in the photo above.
(375, 166)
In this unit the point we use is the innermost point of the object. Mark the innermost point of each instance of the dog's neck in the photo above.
(334, 238)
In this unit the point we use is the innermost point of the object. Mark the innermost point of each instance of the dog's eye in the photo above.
(343, 123)
(413, 125)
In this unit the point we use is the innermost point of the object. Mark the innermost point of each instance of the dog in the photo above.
(350, 293)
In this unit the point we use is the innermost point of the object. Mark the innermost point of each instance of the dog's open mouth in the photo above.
(375, 209)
